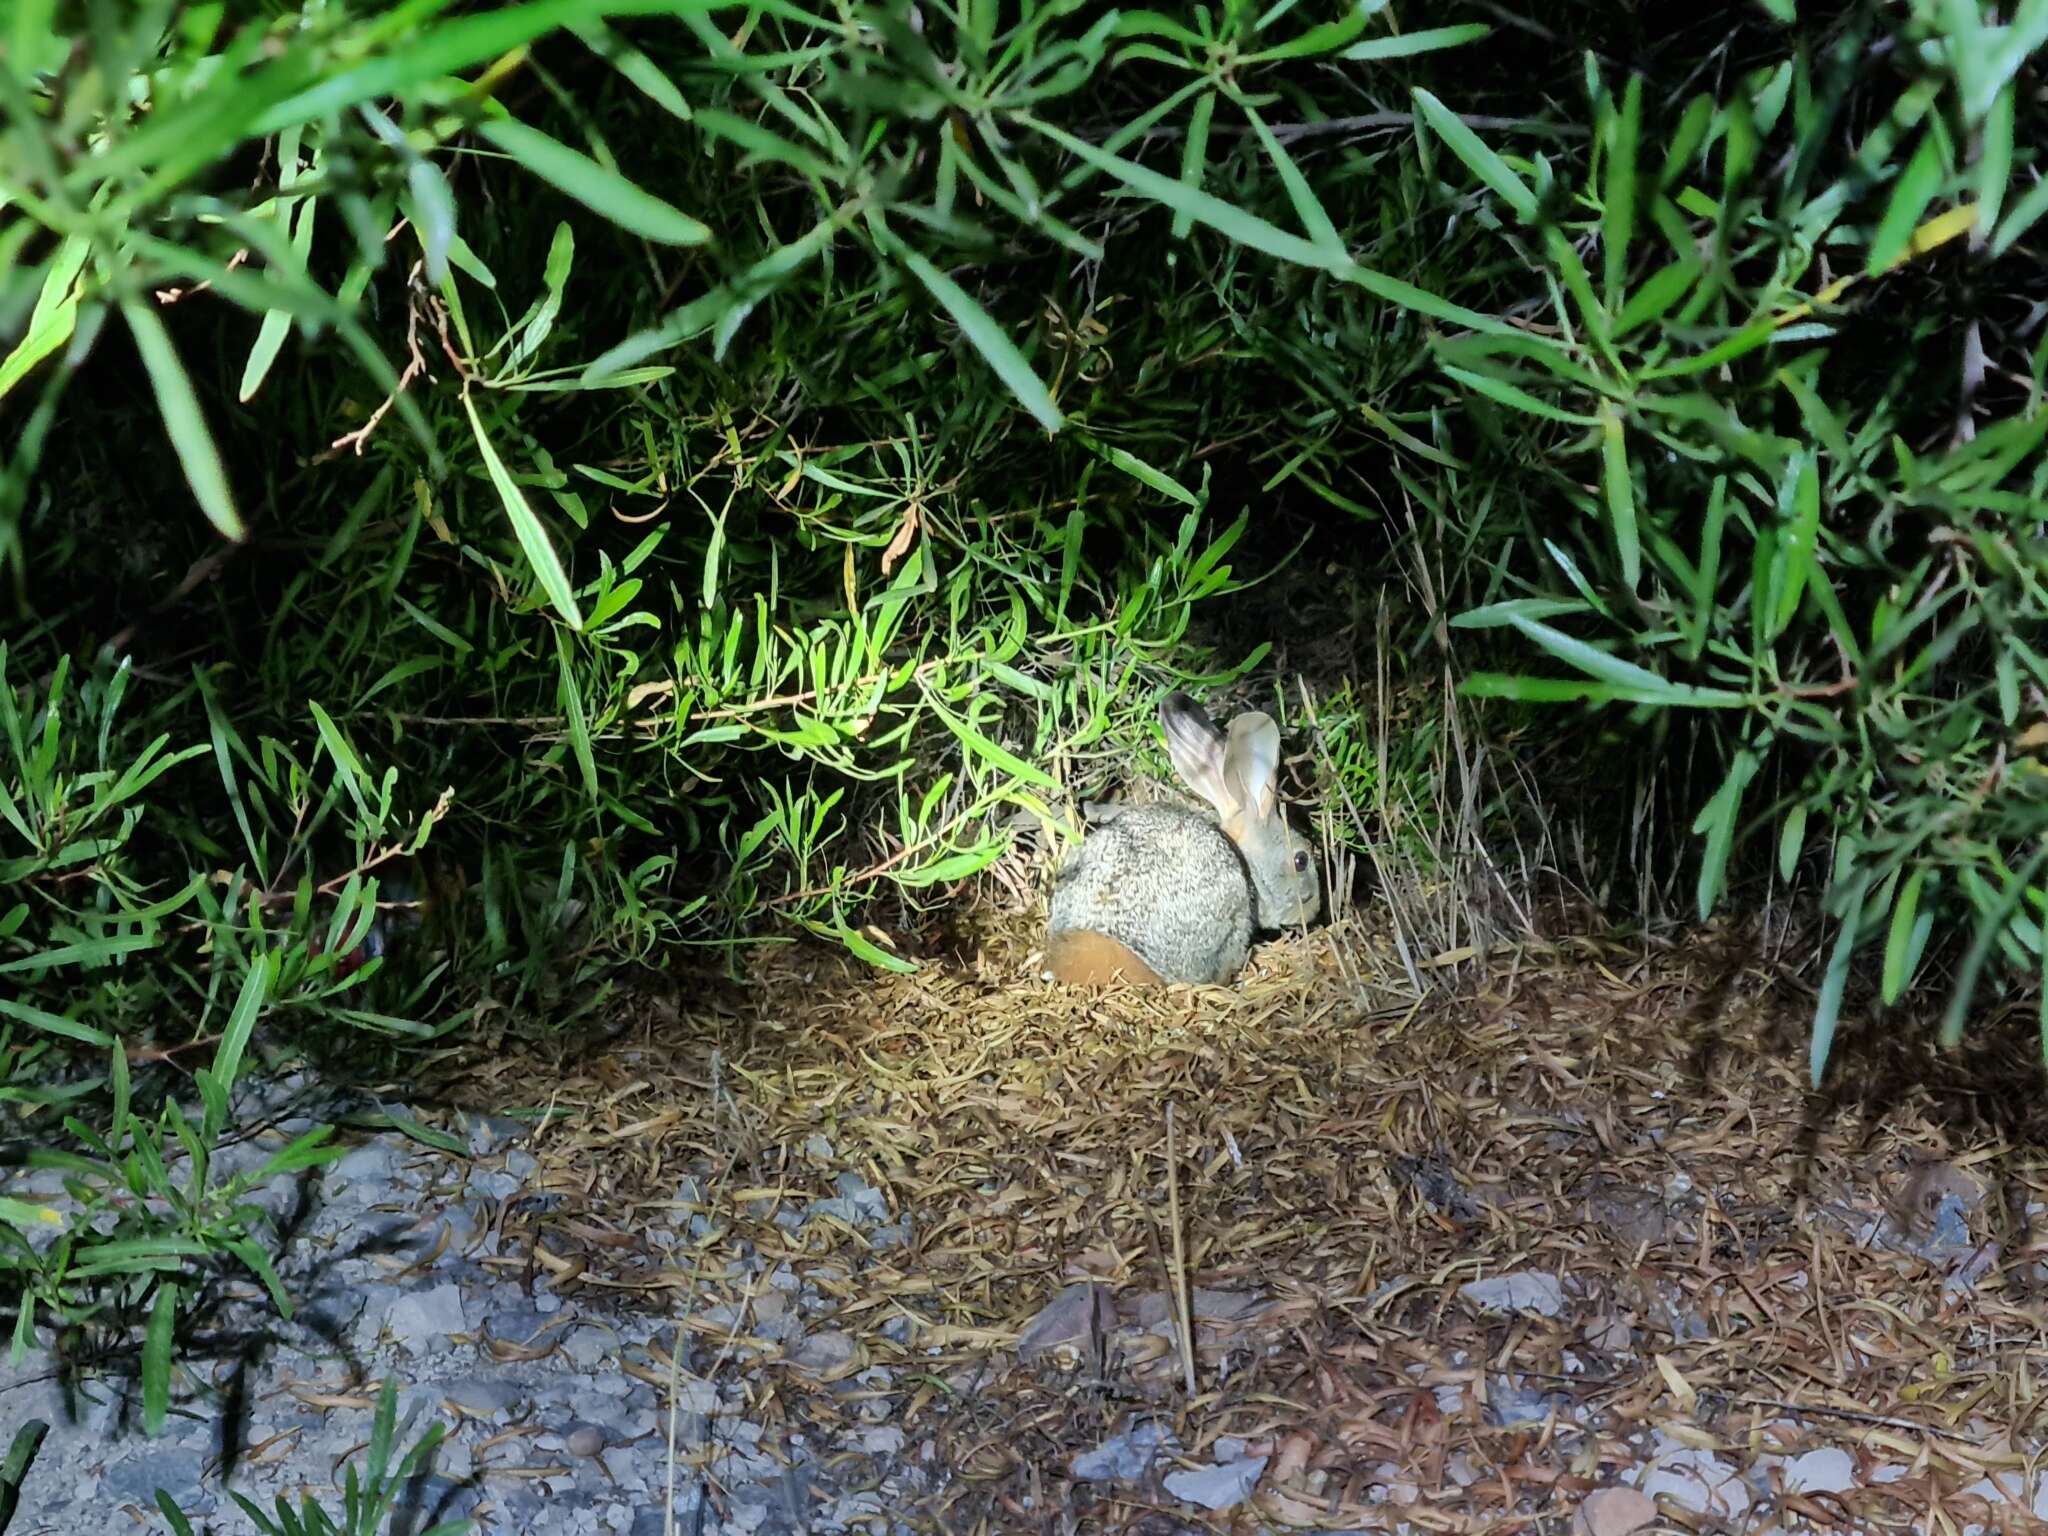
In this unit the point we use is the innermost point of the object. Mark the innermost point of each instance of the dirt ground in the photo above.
(1567, 1242)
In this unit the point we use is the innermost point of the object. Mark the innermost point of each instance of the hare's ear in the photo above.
(1251, 764)
(1197, 749)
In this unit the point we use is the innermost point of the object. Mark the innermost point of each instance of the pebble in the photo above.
(1217, 1487)
(884, 1440)
(1697, 1481)
(1613, 1512)
(587, 1348)
(1522, 1290)
(1827, 1470)
(416, 1320)
(1125, 1458)
(867, 1202)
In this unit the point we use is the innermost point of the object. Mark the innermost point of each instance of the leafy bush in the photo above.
(677, 472)
(1802, 451)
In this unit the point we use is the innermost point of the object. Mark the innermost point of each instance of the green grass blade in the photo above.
(1194, 157)
(1406, 45)
(1916, 188)
(526, 527)
(987, 338)
(1618, 217)
(599, 188)
(1621, 496)
(1478, 158)
(198, 454)
(1307, 206)
(156, 1359)
(1834, 981)
(55, 317)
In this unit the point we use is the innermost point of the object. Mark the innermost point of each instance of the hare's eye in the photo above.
(1300, 860)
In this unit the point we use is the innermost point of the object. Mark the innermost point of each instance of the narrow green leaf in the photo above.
(1621, 496)
(1404, 45)
(1990, 927)
(1659, 291)
(1915, 190)
(635, 66)
(866, 949)
(234, 1040)
(570, 696)
(197, 453)
(1618, 217)
(1791, 841)
(526, 527)
(1324, 37)
(1194, 157)
(1142, 472)
(1611, 669)
(1716, 821)
(1898, 952)
(276, 322)
(55, 317)
(1249, 230)
(156, 1359)
(1307, 207)
(1517, 397)
(1478, 158)
(987, 338)
(1834, 981)
(597, 187)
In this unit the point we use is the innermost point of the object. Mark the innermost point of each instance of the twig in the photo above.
(415, 368)
(1182, 1305)
(1367, 122)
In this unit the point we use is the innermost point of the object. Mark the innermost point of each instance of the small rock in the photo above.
(818, 1147)
(587, 1348)
(493, 1185)
(1125, 1458)
(1828, 1470)
(473, 1394)
(1509, 1404)
(1217, 1487)
(1613, 1512)
(521, 1164)
(1519, 1291)
(365, 1170)
(882, 1440)
(822, 1354)
(585, 1440)
(1697, 1481)
(1077, 1314)
(415, 1320)
(487, 1133)
(1610, 1335)
(137, 1479)
(868, 1202)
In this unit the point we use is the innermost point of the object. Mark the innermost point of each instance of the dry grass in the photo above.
(1635, 1125)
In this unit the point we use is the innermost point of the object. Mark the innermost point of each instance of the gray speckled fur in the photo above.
(1168, 884)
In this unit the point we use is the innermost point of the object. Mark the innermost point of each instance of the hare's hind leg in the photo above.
(1077, 957)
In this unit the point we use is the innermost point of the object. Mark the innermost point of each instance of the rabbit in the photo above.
(1165, 894)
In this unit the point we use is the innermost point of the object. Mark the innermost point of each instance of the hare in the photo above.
(1165, 894)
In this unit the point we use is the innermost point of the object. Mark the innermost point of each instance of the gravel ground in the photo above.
(906, 1273)
(556, 1409)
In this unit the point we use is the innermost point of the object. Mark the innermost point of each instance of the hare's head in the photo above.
(1237, 773)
